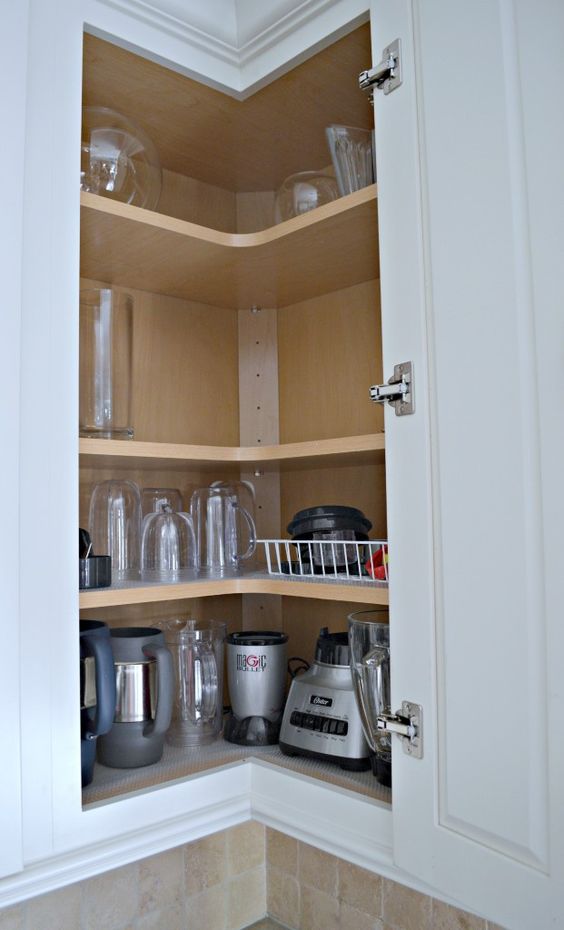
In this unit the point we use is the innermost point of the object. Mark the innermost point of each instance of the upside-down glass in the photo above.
(369, 643)
(153, 500)
(115, 526)
(106, 348)
(168, 544)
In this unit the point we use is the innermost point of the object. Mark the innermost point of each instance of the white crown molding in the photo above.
(234, 45)
(158, 17)
(289, 22)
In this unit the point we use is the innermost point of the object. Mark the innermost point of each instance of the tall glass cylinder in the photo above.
(106, 344)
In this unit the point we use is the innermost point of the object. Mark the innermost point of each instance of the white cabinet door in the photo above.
(469, 153)
(13, 68)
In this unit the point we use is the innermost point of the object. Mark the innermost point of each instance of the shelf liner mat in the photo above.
(176, 763)
(188, 575)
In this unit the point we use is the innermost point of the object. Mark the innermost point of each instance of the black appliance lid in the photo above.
(257, 638)
(328, 517)
(332, 648)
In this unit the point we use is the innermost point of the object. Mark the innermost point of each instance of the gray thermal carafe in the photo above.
(256, 675)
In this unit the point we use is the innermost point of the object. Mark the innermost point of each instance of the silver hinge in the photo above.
(408, 724)
(398, 391)
(386, 75)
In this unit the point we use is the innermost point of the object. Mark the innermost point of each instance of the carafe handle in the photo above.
(165, 689)
(105, 678)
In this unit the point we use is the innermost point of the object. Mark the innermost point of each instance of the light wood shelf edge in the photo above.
(170, 224)
(114, 597)
(108, 451)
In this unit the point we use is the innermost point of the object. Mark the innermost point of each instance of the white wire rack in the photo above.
(365, 561)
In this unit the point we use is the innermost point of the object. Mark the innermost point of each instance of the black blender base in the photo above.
(349, 765)
(382, 769)
(252, 731)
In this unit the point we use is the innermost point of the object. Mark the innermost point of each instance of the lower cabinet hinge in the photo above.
(408, 724)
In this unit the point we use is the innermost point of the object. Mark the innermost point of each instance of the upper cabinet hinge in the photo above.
(398, 391)
(386, 75)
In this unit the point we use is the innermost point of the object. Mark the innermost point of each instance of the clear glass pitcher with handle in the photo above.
(221, 524)
(369, 644)
(197, 654)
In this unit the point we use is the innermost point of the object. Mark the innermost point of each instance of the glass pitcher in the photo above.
(197, 654)
(219, 522)
(369, 643)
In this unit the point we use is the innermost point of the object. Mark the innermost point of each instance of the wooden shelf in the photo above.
(324, 250)
(180, 762)
(252, 583)
(105, 453)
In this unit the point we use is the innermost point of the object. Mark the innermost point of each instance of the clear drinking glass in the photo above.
(168, 544)
(106, 346)
(303, 192)
(115, 525)
(154, 499)
(118, 159)
(369, 644)
(197, 653)
(352, 156)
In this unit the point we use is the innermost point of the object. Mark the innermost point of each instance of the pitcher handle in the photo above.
(252, 533)
(373, 661)
(165, 689)
(105, 677)
(205, 708)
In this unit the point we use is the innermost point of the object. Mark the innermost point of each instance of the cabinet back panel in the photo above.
(302, 619)
(329, 353)
(239, 145)
(198, 202)
(185, 371)
(227, 609)
(361, 486)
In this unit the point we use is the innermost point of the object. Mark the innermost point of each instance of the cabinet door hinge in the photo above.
(398, 391)
(408, 724)
(386, 75)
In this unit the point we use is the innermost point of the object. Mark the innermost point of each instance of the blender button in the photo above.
(342, 728)
(333, 726)
(309, 721)
(318, 723)
(296, 719)
(325, 725)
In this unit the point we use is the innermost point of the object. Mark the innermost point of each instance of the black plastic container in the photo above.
(94, 572)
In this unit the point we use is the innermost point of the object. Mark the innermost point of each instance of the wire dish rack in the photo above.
(365, 561)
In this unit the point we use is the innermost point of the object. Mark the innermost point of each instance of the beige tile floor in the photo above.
(266, 924)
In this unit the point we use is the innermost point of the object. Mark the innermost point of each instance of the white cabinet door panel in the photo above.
(476, 818)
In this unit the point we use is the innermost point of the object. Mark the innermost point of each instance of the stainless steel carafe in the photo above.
(144, 698)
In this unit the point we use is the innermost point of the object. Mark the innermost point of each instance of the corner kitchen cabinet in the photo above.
(470, 495)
